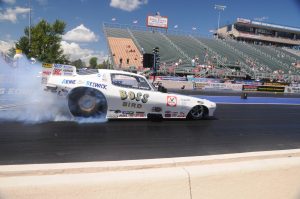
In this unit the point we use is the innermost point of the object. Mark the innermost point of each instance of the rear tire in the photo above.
(87, 102)
(198, 112)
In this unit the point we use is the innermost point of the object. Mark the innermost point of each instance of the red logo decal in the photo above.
(172, 101)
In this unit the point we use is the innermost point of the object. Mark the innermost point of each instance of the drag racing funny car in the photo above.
(119, 94)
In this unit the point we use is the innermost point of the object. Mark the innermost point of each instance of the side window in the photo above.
(129, 81)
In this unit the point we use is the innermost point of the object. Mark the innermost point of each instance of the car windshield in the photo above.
(130, 81)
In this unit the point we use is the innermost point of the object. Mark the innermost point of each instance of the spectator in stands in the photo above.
(127, 61)
(121, 60)
(193, 62)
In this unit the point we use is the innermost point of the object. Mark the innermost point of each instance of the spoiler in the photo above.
(56, 70)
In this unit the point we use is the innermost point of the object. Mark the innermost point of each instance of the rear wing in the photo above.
(56, 70)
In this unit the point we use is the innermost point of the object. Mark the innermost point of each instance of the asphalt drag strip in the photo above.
(234, 129)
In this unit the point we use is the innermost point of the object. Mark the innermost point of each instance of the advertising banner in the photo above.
(250, 88)
(270, 89)
(157, 21)
(275, 84)
(289, 89)
(217, 86)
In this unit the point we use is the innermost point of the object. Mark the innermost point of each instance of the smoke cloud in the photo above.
(23, 99)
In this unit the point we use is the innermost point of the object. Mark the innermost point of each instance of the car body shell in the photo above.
(124, 102)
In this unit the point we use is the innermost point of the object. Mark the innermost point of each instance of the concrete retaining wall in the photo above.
(250, 175)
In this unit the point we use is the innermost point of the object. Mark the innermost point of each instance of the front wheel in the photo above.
(198, 112)
(87, 102)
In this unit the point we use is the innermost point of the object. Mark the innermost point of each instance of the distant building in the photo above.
(261, 33)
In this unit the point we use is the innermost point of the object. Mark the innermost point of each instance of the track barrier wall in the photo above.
(259, 175)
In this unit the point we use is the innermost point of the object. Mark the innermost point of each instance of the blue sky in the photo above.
(87, 16)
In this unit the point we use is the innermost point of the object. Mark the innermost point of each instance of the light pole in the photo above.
(220, 8)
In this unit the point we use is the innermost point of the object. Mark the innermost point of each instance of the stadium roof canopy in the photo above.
(267, 25)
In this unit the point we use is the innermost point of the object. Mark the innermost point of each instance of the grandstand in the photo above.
(184, 54)
(261, 33)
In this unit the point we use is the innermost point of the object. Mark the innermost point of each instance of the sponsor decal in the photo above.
(68, 74)
(185, 99)
(46, 72)
(128, 112)
(96, 85)
(134, 96)
(181, 114)
(58, 65)
(156, 109)
(116, 111)
(56, 71)
(132, 105)
(172, 101)
(112, 115)
(68, 67)
(139, 114)
(68, 71)
(174, 114)
(168, 114)
(69, 81)
(47, 65)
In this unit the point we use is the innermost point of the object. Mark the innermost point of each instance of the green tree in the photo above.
(45, 42)
(93, 62)
(78, 63)
(104, 65)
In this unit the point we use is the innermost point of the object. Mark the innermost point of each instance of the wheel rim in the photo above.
(87, 103)
(197, 111)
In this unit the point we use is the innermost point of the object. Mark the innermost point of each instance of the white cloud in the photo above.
(9, 1)
(74, 51)
(80, 34)
(127, 5)
(5, 46)
(11, 14)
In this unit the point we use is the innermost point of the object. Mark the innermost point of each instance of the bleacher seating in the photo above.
(189, 46)
(261, 59)
(149, 40)
(124, 49)
(228, 54)
(117, 32)
(256, 56)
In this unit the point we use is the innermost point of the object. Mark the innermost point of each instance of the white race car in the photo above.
(119, 94)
